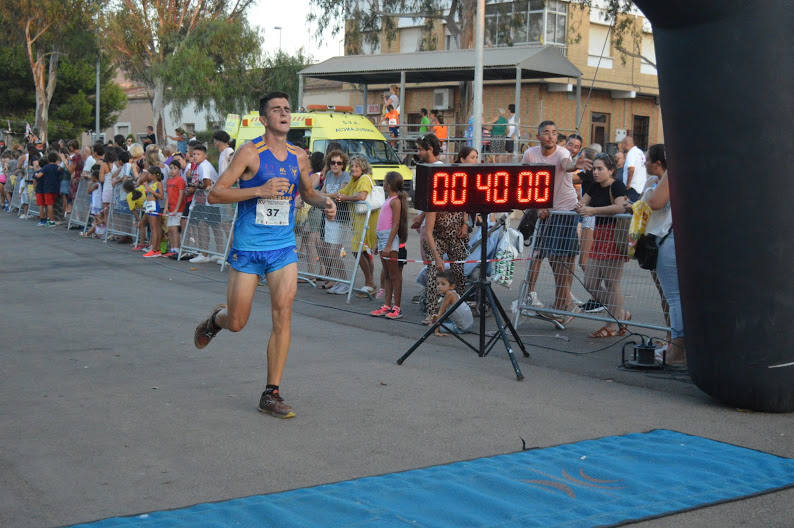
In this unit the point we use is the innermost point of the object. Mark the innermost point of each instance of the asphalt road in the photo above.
(107, 409)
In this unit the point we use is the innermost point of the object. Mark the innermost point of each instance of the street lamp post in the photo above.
(279, 36)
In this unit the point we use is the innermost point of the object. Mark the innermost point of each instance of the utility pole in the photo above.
(479, 33)
(279, 36)
(96, 116)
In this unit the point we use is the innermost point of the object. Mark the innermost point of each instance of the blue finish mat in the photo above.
(600, 482)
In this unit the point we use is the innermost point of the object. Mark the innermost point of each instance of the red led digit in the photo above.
(486, 187)
(543, 186)
(525, 176)
(459, 184)
(440, 188)
(505, 176)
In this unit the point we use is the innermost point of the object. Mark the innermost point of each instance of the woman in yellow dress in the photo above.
(356, 190)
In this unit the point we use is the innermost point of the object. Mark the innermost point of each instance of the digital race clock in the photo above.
(483, 187)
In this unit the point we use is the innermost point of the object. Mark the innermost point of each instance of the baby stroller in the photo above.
(497, 230)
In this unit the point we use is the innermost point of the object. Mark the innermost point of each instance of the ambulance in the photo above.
(320, 126)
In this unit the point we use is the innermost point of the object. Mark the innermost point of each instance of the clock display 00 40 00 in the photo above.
(484, 187)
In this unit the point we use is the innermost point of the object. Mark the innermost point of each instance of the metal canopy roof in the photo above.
(438, 66)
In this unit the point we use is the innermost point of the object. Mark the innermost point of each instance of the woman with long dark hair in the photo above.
(660, 224)
(605, 197)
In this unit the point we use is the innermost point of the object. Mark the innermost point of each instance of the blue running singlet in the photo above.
(262, 224)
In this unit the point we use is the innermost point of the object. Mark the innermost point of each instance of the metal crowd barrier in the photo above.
(609, 276)
(120, 221)
(16, 198)
(208, 228)
(81, 206)
(33, 209)
(327, 249)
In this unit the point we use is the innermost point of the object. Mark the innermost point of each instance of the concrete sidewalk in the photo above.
(108, 409)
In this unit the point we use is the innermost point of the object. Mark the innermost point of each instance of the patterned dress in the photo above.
(446, 233)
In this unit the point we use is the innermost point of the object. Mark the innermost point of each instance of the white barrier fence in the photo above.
(331, 250)
(208, 228)
(617, 290)
(81, 206)
(121, 221)
(16, 198)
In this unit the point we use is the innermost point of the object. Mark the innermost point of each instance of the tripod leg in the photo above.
(435, 325)
(510, 326)
(501, 332)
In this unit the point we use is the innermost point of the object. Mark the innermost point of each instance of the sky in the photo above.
(296, 32)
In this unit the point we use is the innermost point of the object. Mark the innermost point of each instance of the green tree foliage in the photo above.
(72, 104)
(215, 67)
(45, 29)
(143, 34)
(370, 21)
(280, 73)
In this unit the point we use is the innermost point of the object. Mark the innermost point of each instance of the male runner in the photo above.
(269, 171)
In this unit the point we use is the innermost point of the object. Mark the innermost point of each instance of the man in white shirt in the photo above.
(207, 216)
(634, 174)
(558, 238)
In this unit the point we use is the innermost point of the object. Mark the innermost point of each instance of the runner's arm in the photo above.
(245, 160)
(307, 192)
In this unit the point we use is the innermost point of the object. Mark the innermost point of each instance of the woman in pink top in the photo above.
(392, 230)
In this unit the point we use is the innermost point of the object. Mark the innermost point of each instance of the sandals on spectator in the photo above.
(566, 320)
(327, 285)
(367, 292)
(605, 331)
(624, 328)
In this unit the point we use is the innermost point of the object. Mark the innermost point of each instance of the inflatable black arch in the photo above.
(725, 78)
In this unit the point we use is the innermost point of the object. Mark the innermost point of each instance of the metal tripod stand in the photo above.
(482, 292)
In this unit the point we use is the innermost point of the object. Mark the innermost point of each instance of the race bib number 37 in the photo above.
(271, 212)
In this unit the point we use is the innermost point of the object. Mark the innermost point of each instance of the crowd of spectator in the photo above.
(160, 185)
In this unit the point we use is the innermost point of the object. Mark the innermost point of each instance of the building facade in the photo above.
(620, 92)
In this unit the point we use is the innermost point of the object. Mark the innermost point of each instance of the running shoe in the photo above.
(593, 306)
(152, 254)
(50, 223)
(169, 254)
(272, 403)
(42, 223)
(23, 216)
(200, 259)
(395, 313)
(138, 247)
(380, 312)
(207, 329)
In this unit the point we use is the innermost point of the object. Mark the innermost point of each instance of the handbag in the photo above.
(375, 199)
(621, 231)
(647, 250)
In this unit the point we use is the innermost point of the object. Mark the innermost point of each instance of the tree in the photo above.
(71, 109)
(368, 21)
(280, 72)
(44, 26)
(143, 34)
(215, 68)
